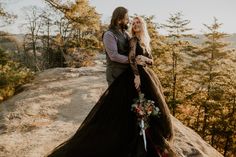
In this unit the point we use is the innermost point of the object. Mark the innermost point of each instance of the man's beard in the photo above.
(124, 26)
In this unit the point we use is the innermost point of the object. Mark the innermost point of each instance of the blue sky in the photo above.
(198, 11)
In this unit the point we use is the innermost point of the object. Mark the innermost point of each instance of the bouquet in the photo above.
(144, 108)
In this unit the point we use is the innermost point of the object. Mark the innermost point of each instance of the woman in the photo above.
(110, 129)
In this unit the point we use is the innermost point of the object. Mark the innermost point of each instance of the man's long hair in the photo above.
(118, 14)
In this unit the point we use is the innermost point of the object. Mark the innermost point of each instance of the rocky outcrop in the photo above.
(51, 108)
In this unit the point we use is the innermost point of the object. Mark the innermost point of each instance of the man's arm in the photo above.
(110, 45)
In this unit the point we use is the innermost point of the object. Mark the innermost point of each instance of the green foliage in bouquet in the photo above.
(144, 108)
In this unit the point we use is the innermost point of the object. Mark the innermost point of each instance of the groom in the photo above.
(116, 43)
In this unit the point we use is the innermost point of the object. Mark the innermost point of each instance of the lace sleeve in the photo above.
(149, 55)
(132, 55)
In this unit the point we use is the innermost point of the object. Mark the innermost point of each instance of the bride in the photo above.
(110, 129)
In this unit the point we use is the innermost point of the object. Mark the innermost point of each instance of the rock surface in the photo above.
(51, 108)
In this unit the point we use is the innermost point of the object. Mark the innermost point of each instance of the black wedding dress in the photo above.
(111, 130)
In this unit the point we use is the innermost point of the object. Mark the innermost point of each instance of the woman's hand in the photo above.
(137, 81)
(142, 60)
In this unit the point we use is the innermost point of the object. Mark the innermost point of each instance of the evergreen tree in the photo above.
(213, 95)
(177, 46)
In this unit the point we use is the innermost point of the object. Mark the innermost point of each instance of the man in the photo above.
(116, 43)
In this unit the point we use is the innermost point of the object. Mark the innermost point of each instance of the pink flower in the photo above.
(144, 108)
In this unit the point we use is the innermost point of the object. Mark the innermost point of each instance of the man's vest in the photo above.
(114, 69)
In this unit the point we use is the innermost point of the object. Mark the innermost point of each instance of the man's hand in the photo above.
(137, 81)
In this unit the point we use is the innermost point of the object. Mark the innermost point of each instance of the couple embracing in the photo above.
(110, 129)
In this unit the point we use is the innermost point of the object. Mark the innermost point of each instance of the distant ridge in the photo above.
(20, 37)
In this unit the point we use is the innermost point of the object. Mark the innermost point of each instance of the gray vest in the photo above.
(114, 69)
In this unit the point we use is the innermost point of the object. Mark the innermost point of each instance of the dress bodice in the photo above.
(139, 50)
(135, 50)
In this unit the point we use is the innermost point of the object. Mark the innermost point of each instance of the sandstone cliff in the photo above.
(51, 108)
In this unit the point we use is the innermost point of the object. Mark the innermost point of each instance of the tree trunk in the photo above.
(226, 146)
(205, 117)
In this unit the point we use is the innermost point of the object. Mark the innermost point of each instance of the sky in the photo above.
(199, 12)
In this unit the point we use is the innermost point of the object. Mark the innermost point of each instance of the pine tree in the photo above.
(177, 46)
(213, 95)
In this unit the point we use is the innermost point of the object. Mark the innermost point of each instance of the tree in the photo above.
(6, 16)
(46, 37)
(84, 22)
(12, 75)
(177, 46)
(214, 92)
(33, 26)
(79, 30)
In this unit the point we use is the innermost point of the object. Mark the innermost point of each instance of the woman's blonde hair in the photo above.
(144, 36)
